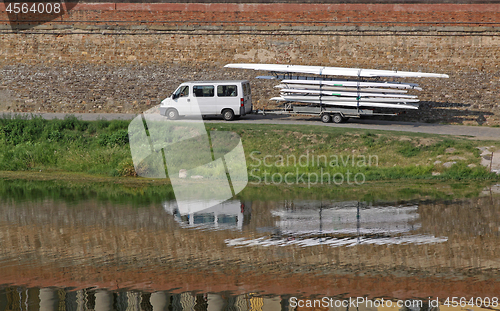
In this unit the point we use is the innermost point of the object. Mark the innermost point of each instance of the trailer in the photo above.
(326, 113)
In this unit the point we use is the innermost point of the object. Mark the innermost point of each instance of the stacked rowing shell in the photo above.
(306, 89)
(349, 93)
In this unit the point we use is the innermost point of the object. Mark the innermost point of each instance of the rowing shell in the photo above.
(336, 71)
(351, 103)
(321, 99)
(346, 83)
(340, 88)
(349, 94)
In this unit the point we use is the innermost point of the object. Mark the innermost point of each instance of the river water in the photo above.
(250, 253)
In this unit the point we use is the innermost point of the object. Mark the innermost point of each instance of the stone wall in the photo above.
(129, 66)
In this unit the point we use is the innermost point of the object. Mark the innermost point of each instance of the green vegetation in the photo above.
(73, 188)
(380, 191)
(70, 145)
(377, 155)
(310, 155)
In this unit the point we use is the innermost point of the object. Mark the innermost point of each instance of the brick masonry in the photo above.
(134, 13)
(83, 62)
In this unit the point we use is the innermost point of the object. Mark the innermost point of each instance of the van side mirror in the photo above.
(175, 96)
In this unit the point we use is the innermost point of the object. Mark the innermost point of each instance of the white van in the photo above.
(227, 98)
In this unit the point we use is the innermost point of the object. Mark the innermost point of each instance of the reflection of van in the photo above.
(226, 215)
(227, 98)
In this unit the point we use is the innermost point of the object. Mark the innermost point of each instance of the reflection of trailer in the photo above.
(341, 224)
(346, 218)
(326, 113)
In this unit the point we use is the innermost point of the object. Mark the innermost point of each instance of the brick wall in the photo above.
(126, 66)
(409, 14)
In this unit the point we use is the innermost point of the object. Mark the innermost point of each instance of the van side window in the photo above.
(182, 91)
(203, 90)
(227, 90)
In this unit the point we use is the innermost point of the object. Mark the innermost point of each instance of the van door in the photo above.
(182, 100)
(205, 96)
(227, 97)
(247, 97)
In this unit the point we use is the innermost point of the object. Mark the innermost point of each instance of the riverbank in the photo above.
(304, 155)
(73, 187)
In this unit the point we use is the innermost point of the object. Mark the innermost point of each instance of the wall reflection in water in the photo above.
(312, 247)
(53, 299)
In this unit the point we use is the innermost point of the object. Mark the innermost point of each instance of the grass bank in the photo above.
(276, 154)
(75, 187)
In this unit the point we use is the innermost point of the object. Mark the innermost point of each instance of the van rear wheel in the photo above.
(172, 114)
(228, 115)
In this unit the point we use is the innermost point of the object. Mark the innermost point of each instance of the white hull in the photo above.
(351, 103)
(336, 71)
(400, 97)
(344, 83)
(340, 88)
(347, 99)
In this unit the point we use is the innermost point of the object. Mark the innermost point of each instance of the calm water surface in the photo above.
(245, 254)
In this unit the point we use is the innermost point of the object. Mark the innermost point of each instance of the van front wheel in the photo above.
(228, 115)
(172, 114)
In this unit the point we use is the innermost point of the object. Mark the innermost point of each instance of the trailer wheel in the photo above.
(326, 118)
(172, 114)
(337, 118)
(228, 115)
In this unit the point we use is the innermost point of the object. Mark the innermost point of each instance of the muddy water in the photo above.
(245, 254)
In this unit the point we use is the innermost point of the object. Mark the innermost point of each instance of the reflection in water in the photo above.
(230, 214)
(346, 218)
(310, 223)
(52, 299)
(399, 250)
